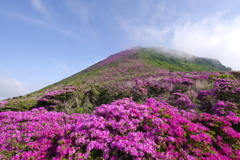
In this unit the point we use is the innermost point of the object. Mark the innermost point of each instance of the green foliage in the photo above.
(180, 88)
(18, 105)
(228, 91)
(177, 63)
(65, 100)
(222, 76)
(98, 95)
(80, 110)
(138, 93)
(236, 74)
(154, 91)
(142, 62)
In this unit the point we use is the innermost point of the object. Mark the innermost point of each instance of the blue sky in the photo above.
(44, 41)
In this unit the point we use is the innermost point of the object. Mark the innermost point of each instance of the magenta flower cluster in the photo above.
(180, 100)
(115, 58)
(120, 130)
(184, 81)
(225, 85)
(56, 98)
(59, 92)
(224, 108)
(2, 103)
(224, 90)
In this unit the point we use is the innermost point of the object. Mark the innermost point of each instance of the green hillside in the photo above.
(178, 61)
(141, 103)
(151, 59)
(114, 77)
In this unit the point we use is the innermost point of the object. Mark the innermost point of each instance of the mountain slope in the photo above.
(114, 77)
(129, 109)
(149, 59)
(179, 61)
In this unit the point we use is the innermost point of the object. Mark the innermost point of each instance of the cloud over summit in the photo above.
(211, 37)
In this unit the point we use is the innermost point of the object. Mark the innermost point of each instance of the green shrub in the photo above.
(222, 76)
(236, 74)
(19, 105)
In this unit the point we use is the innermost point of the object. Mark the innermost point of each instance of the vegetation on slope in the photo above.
(95, 84)
(179, 61)
(130, 109)
(195, 116)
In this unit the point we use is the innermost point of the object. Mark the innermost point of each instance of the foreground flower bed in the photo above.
(121, 130)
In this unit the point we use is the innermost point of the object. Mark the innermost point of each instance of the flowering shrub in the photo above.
(224, 108)
(120, 130)
(207, 98)
(181, 84)
(236, 74)
(2, 103)
(131, 78)
(227, 89)
(191, 94)
(181, 101)
(138, 93)
(32, 134)
(59, 100)
(183, 81)
(155, 89)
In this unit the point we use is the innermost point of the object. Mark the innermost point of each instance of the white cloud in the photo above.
(145, 35)
(149, 30)
(212, 37)
(80, 8)
(159, 13)
(10, 88)
(40, 7)
(41, 23)
(61, 65)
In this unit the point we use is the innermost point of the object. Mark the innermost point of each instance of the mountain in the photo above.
(137, 60)
(142, 103)
(108, 79)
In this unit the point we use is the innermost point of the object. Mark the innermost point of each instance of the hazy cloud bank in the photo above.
(10, 88)
(40, 7)
(212, 37)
